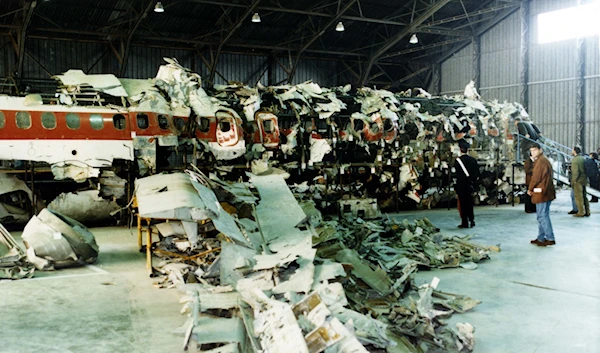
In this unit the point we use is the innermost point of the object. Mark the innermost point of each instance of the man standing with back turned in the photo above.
(467, 173)
(541, 190)
(578, 183)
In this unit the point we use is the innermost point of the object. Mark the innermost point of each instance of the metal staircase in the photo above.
(558, 154)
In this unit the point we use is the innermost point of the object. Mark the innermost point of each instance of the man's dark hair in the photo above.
(594, 155)
(577, 149)
(464, 149)
(536, 145)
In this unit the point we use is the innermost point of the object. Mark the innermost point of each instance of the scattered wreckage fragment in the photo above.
(13, 260)
(54, 241)
(328, 314)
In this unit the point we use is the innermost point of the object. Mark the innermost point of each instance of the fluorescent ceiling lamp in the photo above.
(158, 7)
(256, 18)
(569, 23)
(414, 39)
(340, 27)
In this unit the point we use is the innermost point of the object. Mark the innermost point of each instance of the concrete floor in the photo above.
(533, 299)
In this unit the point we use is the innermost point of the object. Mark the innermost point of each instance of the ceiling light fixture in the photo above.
(340, 27)
(256, 18)
(414, 39)
(158, 7)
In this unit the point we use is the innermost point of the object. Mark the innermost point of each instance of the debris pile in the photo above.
(282, 286)
(13, 261)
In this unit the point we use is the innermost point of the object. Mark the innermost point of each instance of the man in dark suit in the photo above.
(466, 173)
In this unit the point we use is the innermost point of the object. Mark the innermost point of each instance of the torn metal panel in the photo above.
(360, 208)
(276, 198)
(326, 271)
(376, 279)
(323, 329)
(58, 241)
(145, 153)
(177, 196)
(108, 84)
(79, 172)
(228, 300)
(13, 260)
(235, 263)
(368, 330)
(111, 185)
(318, 149)
(93, 153)
(274, 323)
(210, 329)
(84, 206)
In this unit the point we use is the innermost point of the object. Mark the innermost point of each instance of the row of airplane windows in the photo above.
(73, 121)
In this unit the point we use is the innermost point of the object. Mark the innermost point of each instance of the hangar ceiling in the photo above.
(374, 47)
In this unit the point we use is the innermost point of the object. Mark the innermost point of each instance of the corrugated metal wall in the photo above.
(552, 75)
(45, 58)
(143, 62)
(457, 71)
(499, 71)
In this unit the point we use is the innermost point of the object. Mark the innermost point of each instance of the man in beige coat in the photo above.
(541, 190)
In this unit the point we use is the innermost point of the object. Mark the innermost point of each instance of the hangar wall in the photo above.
(552, 75)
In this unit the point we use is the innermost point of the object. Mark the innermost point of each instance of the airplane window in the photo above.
(358, 125)
(268, 125)
(179, 123)
(224, 125)
(2, 120)
(204, 124)
(163, 122)
(73, 121)
(23, 120)
(142, 121)
(48, 120)
(96, 121)
(119, 121)
(388, 125)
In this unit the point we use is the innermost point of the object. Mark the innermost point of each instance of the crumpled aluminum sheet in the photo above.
(54, 241)
(13, 261)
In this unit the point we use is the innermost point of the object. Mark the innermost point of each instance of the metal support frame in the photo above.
(437, 79)
(230, 34)
(319, 33)
(395, 39)
(524, 54)
(476, 42)
(580, 95)
(28, 9)
(127, 47)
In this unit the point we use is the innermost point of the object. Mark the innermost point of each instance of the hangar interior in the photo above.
(264, 175)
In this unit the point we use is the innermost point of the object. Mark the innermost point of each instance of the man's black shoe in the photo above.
(572, 212)
(463, 226)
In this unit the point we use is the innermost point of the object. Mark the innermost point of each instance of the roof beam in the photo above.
(28, 11)
(130, 36)
(479, 31)
(238, 24)
(406, 31)
(425, 47)
(302, 12)
(474, 13)
(333, 20)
